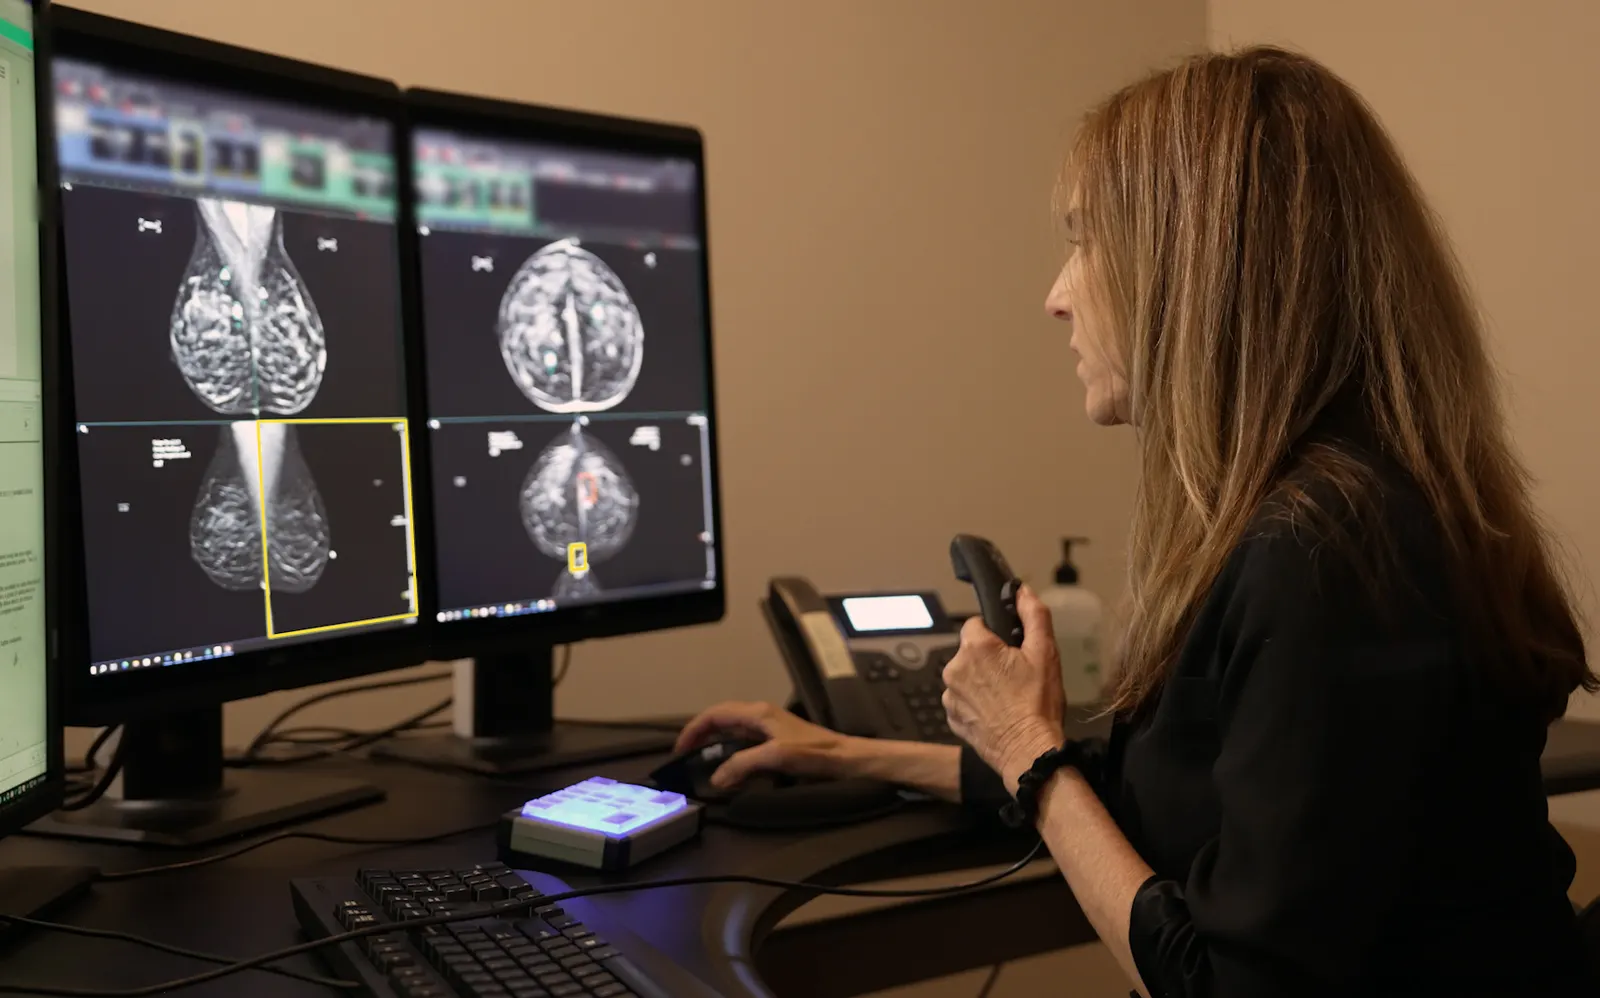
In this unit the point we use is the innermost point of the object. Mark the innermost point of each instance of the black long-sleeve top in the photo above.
(1332, 799)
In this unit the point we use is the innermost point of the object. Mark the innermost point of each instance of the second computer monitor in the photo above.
(567, 333)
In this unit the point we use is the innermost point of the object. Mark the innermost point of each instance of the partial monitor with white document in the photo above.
(30, 753)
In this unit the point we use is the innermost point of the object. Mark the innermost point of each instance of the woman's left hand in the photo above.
(1005, 702)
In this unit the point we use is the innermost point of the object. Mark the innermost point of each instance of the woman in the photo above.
(1346, 636)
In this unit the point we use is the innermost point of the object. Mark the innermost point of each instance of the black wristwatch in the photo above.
(1023, 810)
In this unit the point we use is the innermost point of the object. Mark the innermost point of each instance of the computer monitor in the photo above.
(239, 511)
(571, 432)
(30, 751)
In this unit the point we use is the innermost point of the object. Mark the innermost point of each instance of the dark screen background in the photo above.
(122, 284)
(468, 377)
(485, 554)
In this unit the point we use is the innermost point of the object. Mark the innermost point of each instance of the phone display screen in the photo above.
(899, 612)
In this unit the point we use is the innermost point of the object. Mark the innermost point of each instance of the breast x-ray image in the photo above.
(573, 342)
(524, 327)
(239, 392)
(570, 334)
(245, 333)
(258, 469)
(578, 493)
(187, 309)
(630, 490)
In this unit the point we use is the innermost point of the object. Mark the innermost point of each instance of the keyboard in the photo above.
(539, 952)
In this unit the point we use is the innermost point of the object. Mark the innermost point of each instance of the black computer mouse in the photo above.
(770, 801)
(690, 772)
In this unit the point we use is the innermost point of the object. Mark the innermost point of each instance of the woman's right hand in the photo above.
(788, 744)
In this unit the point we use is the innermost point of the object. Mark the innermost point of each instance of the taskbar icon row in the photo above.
(163, 659)
(498, 610)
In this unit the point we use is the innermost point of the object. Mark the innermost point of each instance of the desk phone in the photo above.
(871, 663)
(866, 663)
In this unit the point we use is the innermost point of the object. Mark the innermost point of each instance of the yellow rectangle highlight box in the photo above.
(404, 427)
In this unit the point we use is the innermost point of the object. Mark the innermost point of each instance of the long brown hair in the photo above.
(1264, 255)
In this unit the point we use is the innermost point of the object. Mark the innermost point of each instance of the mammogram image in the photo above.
(578, 492)
(570, 334)
(245, 333)
(225, 535)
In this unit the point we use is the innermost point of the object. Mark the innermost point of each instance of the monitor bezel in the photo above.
(512, 121)
(46, 797)
(114, 698)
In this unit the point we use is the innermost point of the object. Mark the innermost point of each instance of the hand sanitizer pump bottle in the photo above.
(1076, 613)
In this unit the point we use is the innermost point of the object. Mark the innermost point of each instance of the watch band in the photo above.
(1023, 809)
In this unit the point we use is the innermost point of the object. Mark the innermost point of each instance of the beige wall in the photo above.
(1494, 110)
(879, 177)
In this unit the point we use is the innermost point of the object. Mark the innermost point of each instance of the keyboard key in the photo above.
(491, 991)
(529, 992)
(610, 991)
(590, 942)
(563, 990)
(457, 891)
(393, 960)
(474, 980)
(589, 973)
(571, 963)
(562, 951)
(605, 953)
(502, 933)
(560, 921)
(499, 963)
(422, 989)
(576, 931)
(489, 891)
(492, 868)
(553, 978)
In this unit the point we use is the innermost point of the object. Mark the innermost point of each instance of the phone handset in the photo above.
(977, 560)
(819, 660)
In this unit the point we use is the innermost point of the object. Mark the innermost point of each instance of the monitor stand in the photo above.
(505, 724)
(174, 791)
(36, 891)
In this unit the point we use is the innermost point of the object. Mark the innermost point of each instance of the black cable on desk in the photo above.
(384, 684)
(506, 907)
(75, 930)
(252, 756)
(90, 763)
(98, 790)
(989, 982)
(340, 840)
(320, 734)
